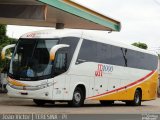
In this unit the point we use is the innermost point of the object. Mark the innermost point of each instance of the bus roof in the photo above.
(86, 34)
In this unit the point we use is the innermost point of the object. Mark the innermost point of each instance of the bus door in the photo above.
(59, 87)
(60, 76)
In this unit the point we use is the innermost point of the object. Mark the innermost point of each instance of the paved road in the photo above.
(22, 106)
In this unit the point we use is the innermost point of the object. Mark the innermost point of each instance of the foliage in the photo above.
(140, 45)
(4, 40)
(3, 30)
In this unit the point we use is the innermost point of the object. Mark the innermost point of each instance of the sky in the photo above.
(140, 20)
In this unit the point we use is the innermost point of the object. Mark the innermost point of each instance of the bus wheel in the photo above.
(137, 99)
(39, 102)
(78, 98)
(106, 102)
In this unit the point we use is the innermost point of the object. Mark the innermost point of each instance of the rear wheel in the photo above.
(106, 102)
(39, 102)
(137, 99)
(78, 98)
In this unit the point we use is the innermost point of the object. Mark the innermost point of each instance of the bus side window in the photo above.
(88, 52)
(72, 42)
(117, 56)
(104, 53)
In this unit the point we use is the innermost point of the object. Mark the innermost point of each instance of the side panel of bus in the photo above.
(113, 73)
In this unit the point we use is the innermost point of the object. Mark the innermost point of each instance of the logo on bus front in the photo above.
(103, 69)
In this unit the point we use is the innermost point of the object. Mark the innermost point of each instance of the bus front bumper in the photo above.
(43, 93)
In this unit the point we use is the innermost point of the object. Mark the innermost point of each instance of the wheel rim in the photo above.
(77, 97)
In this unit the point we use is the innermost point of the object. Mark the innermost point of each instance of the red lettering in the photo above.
(98, 73)
(100, 66)
(31, 35)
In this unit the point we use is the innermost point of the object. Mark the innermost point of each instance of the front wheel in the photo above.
(78, 98)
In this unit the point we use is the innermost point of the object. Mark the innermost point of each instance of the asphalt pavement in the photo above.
(26, 106)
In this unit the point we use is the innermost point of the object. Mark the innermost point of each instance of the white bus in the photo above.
(74, 65)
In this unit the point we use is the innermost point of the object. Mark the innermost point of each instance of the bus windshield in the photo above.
(31, 58)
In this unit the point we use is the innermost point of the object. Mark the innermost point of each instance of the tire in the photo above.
(137, 99)
(106, 102)
(39, 102)
(78, 98)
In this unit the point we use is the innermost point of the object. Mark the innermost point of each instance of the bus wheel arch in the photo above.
(140, 90)
(83, 89)
(137, 98)
(78, 96)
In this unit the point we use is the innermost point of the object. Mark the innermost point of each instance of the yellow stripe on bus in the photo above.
(16, 83)
(148, 87)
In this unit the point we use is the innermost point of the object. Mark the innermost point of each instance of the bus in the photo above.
(76, 65)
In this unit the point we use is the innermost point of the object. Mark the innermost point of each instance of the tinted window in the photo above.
(117, 56)
(132, 58)
(31, 59)
(141, 60)
(147, 61)
(72, 41)
(94, 52)
(88, 52)
(103, 53)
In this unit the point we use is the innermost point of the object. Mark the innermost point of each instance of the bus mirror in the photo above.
(3, 56)
(54, 50)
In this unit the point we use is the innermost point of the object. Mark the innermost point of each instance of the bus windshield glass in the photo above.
(31, 59)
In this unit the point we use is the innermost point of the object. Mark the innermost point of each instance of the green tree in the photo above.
(140, 45)
(4, 40)
(3, 30)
